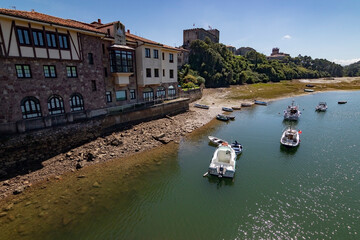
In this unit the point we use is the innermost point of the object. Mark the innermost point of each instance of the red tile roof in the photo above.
(130, 36)
(48, 19)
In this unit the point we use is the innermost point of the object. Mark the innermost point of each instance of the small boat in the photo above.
(231, 117)
(260, 102)
(216, 141)
(227, 109)
(223, 161)
(308, 90)
(342, 102)
(292, 112)
(222, 117)
(246, 104)
(309, 85)
(321, 107)
(237, 147)
(201, 106)
(290, 137)
(236, 108)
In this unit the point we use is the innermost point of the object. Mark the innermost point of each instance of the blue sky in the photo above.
(317, 28)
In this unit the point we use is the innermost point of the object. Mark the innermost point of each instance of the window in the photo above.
(148, 94)
(105, 72)
(171, 73)
(147, 52)
(171, 91)
(156, 72)
(148, 72)
(23, 71)
(76, 102)
(121, 95)
(156, 53)
(108, 96)
(171, 57)
(38, 37)
(121, 61)
(163, 56)
(163, 72)
(90, 58)
(71, 72)
(23, 36)
(51, 40)
(30, 108)
(63, 41)
(103, 48)
(132, 94)
(56, 105)
(49, 71)
(93, 85)
(160, 93)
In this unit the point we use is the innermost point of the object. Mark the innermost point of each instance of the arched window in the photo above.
(76, 102)
(160, 93)
(56, 105)
(171, 91)
(30, 107)
(148, 94)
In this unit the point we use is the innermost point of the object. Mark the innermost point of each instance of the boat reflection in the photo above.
(288, 150)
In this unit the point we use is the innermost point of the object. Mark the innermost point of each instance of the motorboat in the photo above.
(237, 147)
(216, 141)
(290, 137)
(227, 109)
(292, 112)
(246, 104)
(222, 117)
(223, 161)
(260, 102)
(321, 107)
(342, 102)
(201, 106)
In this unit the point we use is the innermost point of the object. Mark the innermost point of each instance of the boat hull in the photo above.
(288, 141)
(223, 162)
(216, 172)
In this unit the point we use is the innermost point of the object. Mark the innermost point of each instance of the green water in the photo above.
(312, 191)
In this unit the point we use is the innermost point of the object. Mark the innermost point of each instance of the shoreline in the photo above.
(135, 139)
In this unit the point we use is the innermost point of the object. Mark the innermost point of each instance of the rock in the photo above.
(68, 154)
(6, 183)
(18, 190)
(3, 214)
(81, 176)
(161, 135)
(27, 204)
(58, 178)
(9, 207)
(66, 220)
(11, 217)
(80, 165)
(96, 185)
(90, 157)
(43, 214)
(116, 142)
(165, 140)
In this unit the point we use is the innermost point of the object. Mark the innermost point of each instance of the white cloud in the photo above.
(345, 62)
(286, 37)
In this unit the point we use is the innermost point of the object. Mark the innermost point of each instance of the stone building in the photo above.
(276, 54)
(231, 49)
(190, 35)
(56, 71)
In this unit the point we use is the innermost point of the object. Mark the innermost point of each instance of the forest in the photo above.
(214, 65)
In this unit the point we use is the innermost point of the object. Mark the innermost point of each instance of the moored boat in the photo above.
(201, 106)
(309, 85)
(227, 109)
(308, 90)
(260, 102)
(342, 102)
(216, 141)
(231, 117)
(236, 108)
(292, 112)
(246, 104)
(290, 137)
(321, 107)
(222, 117)
(237, 147)
(223, 162)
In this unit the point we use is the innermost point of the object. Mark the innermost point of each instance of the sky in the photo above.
(318, 28)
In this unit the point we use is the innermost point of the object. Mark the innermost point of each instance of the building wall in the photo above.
(190, 35)
(14, 89)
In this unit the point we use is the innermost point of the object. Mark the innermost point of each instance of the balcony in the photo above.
(122, 78)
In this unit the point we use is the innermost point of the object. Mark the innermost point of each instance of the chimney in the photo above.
(128, 31)
(99, 20)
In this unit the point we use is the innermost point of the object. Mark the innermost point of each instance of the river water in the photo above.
(312, 191)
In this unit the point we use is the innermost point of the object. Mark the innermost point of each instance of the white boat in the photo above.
(290, 137)
(321, 107)
(292, 112)
(237, 147)
(216, 141)
(201, 106)
(227, 109)
(223, 161)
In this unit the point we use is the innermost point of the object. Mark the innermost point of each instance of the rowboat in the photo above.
(237, 147)
(260, 102)
(222, 117)
(236, 108)
(201, 106)
(342, 102)
(246, 104)
(227, 109)
(321, 107)
(309, 85)
(216, 141)
(308, 90)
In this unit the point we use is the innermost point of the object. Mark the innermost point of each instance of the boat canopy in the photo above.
(224, 155)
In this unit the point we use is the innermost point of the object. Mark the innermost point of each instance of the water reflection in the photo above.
(288, 150)
(221, 181)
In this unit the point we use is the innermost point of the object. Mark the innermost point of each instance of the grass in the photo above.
(285, 88)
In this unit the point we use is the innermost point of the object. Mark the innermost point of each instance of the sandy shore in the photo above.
(135, 139)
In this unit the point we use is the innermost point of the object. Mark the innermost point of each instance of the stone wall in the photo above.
(193, 94)
(22, 153)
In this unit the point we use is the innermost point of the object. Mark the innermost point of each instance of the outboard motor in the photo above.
(221, 171)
